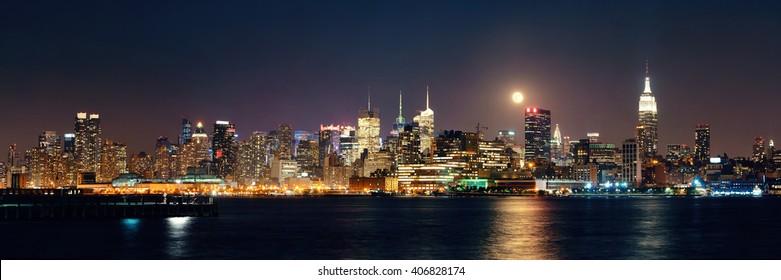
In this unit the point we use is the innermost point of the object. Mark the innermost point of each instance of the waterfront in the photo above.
(422, 228)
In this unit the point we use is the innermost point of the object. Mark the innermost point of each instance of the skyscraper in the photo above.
(69, 143)
(426, 123)
(368, 134)
(49, 140)
(555, 147)
(285, 137)
(702, 143)
(648, 141)
(187, 132)
(508, 137)
(192, 154)
(537, 134)
(224, 149)
(399, 125)
(631, 164)
(89, 142)
(758, 150)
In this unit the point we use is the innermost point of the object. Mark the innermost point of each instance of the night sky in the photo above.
(143, 65)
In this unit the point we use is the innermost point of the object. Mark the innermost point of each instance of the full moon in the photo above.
(517, 97)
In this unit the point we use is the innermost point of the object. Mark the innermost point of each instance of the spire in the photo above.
(647, 79)
(399, 104)
(427, 97)
(370, 98)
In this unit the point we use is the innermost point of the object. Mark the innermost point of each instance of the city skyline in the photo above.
(593, 87)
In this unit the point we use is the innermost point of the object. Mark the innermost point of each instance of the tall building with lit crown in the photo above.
(648, 118)
(399, 125)
(537, 134)
(89, 142)
(702, 143)
(194, 152)
(758, 149)
(426, 123)
(224, 149)
(368, 133)
(556, 148)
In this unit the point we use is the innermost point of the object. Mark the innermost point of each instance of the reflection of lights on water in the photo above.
(131, 224)
(178, 224)
(177, 232)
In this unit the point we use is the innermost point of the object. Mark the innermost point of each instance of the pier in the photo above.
(64, 204)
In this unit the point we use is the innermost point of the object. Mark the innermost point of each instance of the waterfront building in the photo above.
(537, 128)
(284, 168)
(648, 141)
(224, 149)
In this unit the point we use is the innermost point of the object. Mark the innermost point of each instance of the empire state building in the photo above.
(648, 140)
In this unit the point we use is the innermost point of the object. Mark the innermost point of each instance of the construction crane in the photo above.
(477, 128)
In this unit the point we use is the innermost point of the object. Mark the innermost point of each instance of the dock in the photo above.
(65, 204)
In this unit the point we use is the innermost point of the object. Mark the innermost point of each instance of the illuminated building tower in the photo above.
(675, 152)
(631, 164)
(368, 134)
(194, 153)
(776, 154)
(349, 147)
(702, 143)
(408, 150)
(49, 140)
(224, 149)
(593, 137)
(328, 142)
(285, 138)
(258, 155)
(555, 147)
(426, 123)
(163, 159)
(69, 143)
(758, 151)
(187, 132)
(113, 161)
(399, 125)
(141, 164)
(537, 134)
(307, 157)
(581, 151)
(302, 135)
(244, 163)
(647, 117)
(89, 142)
(507, 137)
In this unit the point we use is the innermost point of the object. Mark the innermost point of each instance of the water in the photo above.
(422, 228)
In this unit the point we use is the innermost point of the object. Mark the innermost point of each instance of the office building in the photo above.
(537, 128)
